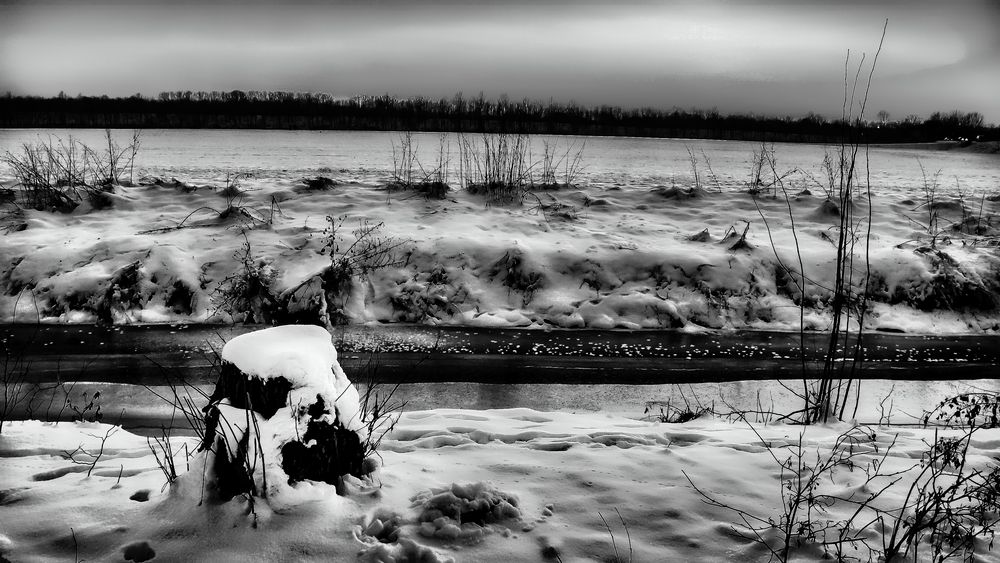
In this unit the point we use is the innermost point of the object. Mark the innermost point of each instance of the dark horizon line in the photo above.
(256, 109)
(551, 101)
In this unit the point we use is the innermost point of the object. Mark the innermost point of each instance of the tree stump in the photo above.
(283, 411)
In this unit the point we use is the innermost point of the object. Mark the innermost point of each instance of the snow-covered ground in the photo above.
(643, 253)
(556, 486)
(480, 485)
(564, 470)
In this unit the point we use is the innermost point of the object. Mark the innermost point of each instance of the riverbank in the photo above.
(690, 257)
(975, 147)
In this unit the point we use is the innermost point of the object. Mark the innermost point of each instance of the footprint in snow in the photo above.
(138, 551)
(122, 472)
(57, 473)
(533, 418)
(460, 416)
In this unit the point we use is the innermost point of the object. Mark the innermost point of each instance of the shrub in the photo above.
(930, 207)
(947, 505)
(57, 176)
(319, 183)
(235, 214)
(565, 166)
(370, 251)
(323, 298)
(977, 409)
(670, 413)
(516, 275)
(14, 369)
(380, 408)
(498, 168)
(247, 293)
(409, 174)
(838, 387)
(124, 292)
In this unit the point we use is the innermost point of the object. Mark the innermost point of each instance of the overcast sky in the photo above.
(783, 57)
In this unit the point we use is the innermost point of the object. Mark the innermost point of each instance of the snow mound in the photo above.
(453, 515)
(403, 550)
(384, 542)
(463, 512)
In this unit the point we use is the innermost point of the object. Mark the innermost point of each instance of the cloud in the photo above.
(743, 56)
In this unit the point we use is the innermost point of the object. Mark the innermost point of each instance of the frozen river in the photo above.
(607, 162)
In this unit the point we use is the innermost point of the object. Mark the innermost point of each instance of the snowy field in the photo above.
(563, 469)
(634, 244)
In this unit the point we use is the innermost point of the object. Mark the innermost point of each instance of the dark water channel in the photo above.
(500, 368)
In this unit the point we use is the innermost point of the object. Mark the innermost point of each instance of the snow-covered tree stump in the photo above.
(283, 411)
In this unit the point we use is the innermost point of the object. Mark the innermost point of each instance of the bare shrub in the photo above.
(801, 501)
(434, 184)
(559, 169)
(380, 409)
(370, 251)
(948, 506)
(404, 162)
(838, 386)
(677, 413)
(618, 558)
(42, 176)
(57, 175)
(974, 409)
(496, 166)
(247, 293)
(694, 168)
(236, 214)
(15, 368)
(233, 188)
(517, 275)
(91, 457)
(930, 219)
(409, 174)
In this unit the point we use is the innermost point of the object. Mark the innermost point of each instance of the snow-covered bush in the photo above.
(283, 413)
(331, 296)
(456, 513)
(124, 292)
(517, 274)
(246, 294)
(463, 512)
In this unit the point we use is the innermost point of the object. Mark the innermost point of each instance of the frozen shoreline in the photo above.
(622, 259)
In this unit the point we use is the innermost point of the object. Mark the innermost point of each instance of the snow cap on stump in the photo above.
(304, 356)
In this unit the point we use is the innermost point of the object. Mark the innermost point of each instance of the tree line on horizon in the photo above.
(239, 109)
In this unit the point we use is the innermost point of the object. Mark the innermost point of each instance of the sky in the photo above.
(773, 57)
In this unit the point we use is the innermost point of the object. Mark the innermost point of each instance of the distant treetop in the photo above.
(237, 109)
